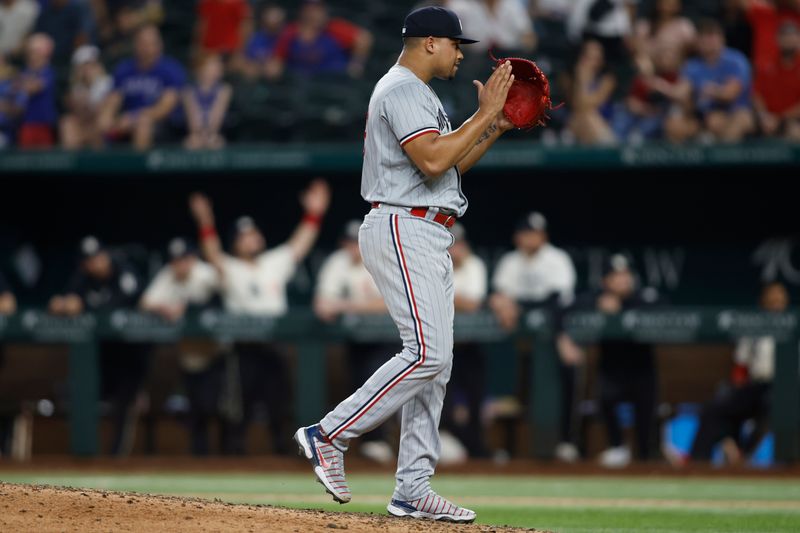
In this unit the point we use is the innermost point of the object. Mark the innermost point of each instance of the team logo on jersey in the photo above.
(443, 120)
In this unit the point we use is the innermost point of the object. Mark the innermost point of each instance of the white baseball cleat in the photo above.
(432, 507)
(327, 460)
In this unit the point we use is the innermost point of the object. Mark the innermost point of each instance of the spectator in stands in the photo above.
(502, 25)
(538, 275)
(186, 282)
(652, 97)
(8, 303)
(592, 88)
(253, 282)
(609, 22)
(89, 87)
(119, 20)
(627, 370)
(37, 85)
(222, 26)
(344, 287)
(777, 88)
(716, 85)
(63, 21)
(105, 282)
(317, 44)
(206, 104)
(466, 391)
(146, 92)
(17, 19)
(252, 62)
(663, 29)
(747, 397)
(9, 103)
(766, 17)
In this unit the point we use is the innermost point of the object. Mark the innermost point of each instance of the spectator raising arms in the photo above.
(222, 26)
(37, 84)
(252, 62)
(253, 282)
(89, 87)
(777, 88)
(317, 44)
(17, 18)
(717, 86)
(146, 92)
(206, 103)
(592, 88)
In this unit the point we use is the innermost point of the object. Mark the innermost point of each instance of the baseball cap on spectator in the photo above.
(85, 54)
(90, 246)
(350, 231)
(533, 221)
(616, 263)
(434, 21)
(178, 248)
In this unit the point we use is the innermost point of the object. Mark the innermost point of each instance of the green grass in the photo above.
(563, 504)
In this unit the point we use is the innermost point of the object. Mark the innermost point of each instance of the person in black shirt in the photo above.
(105, 282)
(626, 369)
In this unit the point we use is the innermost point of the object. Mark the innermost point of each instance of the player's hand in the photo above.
(503, 123)
(316, 199)
(492, 95)
(200, 206)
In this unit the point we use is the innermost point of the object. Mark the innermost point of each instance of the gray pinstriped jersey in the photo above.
(402, 108)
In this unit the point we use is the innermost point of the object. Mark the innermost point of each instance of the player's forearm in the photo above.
(448, 150)
(484, 142)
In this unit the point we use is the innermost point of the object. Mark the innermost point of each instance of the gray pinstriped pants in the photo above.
(407, 257)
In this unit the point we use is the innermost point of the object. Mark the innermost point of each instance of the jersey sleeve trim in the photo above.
(418, 133)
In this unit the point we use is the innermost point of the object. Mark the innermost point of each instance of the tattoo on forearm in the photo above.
(486, 134)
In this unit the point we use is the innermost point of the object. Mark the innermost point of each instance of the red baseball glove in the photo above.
(528, 99)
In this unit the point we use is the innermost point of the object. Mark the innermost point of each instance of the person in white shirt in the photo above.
(461, 416)
(536, 273)
(539, 275)
(253, 281)
(345, 287)
(748, 395)
(184, 282)
(496, 24)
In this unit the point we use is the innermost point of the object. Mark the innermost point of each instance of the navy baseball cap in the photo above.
(615, 264)
(90, 246)
(533, 221)
(178, 248)
(434, 22)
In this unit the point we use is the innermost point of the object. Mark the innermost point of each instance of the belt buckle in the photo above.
(448, 221)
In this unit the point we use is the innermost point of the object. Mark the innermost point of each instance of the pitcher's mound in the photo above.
(45, 509)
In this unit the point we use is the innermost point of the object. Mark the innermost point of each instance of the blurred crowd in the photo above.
(230, 385)
(97, 73)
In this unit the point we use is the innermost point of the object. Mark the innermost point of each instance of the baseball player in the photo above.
(413, 164)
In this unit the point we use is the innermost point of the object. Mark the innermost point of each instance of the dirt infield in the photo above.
(53, 509)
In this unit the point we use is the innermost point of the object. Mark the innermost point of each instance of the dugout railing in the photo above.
(310, 337)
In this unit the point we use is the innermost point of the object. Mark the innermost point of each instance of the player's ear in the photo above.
(430, 44)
